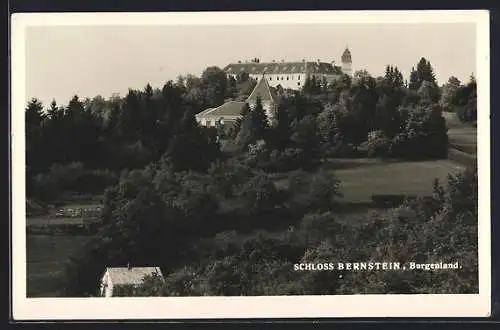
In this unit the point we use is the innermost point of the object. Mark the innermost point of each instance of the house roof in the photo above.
(263, 91)
(234, 108)
(283, 68)
(204, 112)
(134, 275)
(231, 108)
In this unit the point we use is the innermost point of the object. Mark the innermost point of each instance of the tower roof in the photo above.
(262, 90)
(346, 56)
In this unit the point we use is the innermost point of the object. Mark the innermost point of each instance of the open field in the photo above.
(48, 253)
(405, 178)
(451, 120)
(461, 136)
(53, 221)
(464, 139)
(80, 205)
(362, 178)
(46, 256)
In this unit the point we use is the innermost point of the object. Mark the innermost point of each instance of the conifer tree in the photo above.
(414, 83)
(254, 126)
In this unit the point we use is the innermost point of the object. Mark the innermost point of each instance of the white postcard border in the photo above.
(247, 307)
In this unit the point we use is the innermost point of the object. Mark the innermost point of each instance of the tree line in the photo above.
(105, 136)
(357, 117)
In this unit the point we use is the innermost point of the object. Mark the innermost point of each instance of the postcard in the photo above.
(228, 165)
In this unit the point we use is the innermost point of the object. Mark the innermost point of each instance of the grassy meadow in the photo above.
(46, 258)
(461, 136)
(362, 178)
(46, 254)
(464, 139)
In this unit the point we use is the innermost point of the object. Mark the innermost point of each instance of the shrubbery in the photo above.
(425, 231)
(73, 177)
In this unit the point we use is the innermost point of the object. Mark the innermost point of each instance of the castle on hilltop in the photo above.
(292, 75)
(288, 75)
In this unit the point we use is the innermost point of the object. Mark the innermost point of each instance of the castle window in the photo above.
(298, 78)
(298, 84)
(270, 78)
(286, 77)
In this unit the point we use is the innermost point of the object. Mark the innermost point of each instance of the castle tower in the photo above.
(267, 96)
(347, 62)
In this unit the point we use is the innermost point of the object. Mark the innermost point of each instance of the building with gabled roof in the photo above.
(115, 277)
(267, 95)
(227, 113)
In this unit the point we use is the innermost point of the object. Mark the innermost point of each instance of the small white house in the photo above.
(123, 276)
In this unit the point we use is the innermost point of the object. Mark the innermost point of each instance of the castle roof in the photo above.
(282, 68)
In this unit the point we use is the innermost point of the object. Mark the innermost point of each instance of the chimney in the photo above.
(128, 266)
(282, 61)
(274, 61)
(319, 61)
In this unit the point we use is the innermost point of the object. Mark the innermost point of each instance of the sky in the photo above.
(62, 61)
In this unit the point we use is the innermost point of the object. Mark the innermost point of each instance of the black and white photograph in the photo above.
(250, 164)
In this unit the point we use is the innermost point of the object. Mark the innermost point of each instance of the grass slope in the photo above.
(362, 178)
(462, 136)
(46, 257)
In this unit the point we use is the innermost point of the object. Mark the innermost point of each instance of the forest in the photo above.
(217, 222)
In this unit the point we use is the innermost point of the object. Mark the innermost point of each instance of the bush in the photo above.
(73, 177)
(342, 150)
(260, 194)
(95, 181)
(378, 144)
(387, 201)
(424, 135)
(324, 189)
(286, 160)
